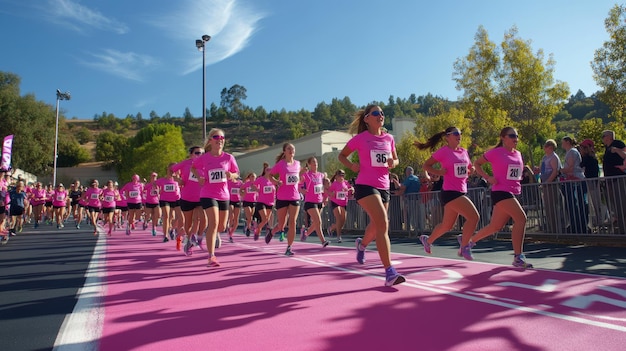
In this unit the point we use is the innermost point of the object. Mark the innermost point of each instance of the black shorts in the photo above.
(361, 191)
(450, 195)
(284, 203)
(335, 205)
(93, 209)
(122, 208)
(136, 206)
(187, 206)
(3, 209)
(222, 205)
(235, 204)
(48, 204)
(310, 205)
(16, 210)
(107, 210)
(248, 204)
(55, 207)
(172, 204)
(261, 206)
(497, 196)
(152, 205)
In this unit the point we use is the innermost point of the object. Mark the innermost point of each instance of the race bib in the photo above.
(153, 193)
(251, 190)
(292, 178)
(93, 196)
(379, 158)
(169, 188)
(318, 188)
(108, 198)
(192, 177)
(268, 189)
(133, 194)
(514, 172)
(341, 195)
(460, 170)
(234, 191)
(60, 198)
(217, 176)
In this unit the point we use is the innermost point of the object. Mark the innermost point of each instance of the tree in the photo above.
(71, 153)
(83, 135)
(109, 148)
(232, 100)
(609, 64)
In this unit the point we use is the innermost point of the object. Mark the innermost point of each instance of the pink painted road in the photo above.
(321, 299)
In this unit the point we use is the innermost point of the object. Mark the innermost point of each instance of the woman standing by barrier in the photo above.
(590, 165)
(377, 155)
(550, 167)
(313, 190)
(287, 196)
(339, 191)
(574, 187)
(214, 169)
(455, 169)
(508, 166)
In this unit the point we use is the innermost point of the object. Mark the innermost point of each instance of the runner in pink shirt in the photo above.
(508, 166)
(169, 200)
(92, 195)
(49, 213)
(121, 208)
(152, 208)
(338, 192)
(194, 216)
(250, 196)
(235, 189)
(312, 183)
(4, 193)
(214, 169)
(287, 196)
(38, 199)
(455, 167)
(377, 155)
(133, 191)
(82, 209)
(108, 198)
(266, 199)
(59, 202)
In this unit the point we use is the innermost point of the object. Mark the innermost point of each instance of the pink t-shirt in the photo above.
(313, 182)
(373, 151)
(168, 189)
(340, 191)
(213, 169)
(151, 190)
(108, 198)
(289, 175)
(133, 192)
(190, 190)
(234, 188)
(93, 196)
(251, 194)
(59, 198)
(267, 191)
(39, 196)
(121, 200)
(457, 164)
(507, 169)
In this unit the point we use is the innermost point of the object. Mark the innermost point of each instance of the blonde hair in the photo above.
(358, 124)
(212, 132)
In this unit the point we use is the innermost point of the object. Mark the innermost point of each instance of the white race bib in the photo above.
(133, 194)
(60, 197)
(268, 189)
(379, 158)
(460, 170)
(342, 195)
(192, 177)
(292, 178)
(169, 188)
(318, 188)
(108, 198)
(93, 196)
(514, 172)
(234, 191)
(217, 176)
(153, 193)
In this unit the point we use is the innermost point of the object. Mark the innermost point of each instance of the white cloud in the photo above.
(128, 65)
(77, 17)
(230, 23)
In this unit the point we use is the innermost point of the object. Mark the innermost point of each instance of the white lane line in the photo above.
(82, 328)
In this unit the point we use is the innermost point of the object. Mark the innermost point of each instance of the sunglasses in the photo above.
(198, 153)
(512, 136)
(376, 113)
(218, 137)
(454, 133)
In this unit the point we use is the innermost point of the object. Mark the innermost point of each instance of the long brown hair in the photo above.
(282, 154)
(435, 139)
(503, 133)
(358, 124)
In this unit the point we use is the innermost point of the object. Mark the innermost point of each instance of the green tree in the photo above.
(232, 100)
(71, 153)
(83, 135)
(609, 64)
(110, 147)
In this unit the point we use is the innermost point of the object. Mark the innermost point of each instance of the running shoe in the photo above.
(218, 241)
(12, 232)
(179, 240)
(339, 240)
(171, 233)
(520, 261)
(360, 253)
(282, 236)
(78, 226)
(466, 252)
(109, 232)
(165, 239)
(256, 235)
(4, 240)
(213, 262)
(303, 234)
(427, 246)
(459, 239)
(268, 237)
(325, 243)
(288, 252)
(36, 225)
(127, 231)
(392, 277)
(230, 239)
(188, 248)
(153, 232)
(145, 225)
(58, 226)
(247, 231)
(19, 229)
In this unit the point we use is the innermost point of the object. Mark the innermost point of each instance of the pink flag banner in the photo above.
(7, 146)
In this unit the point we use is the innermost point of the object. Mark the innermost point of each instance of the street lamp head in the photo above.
(63, 96)
(199, 44)
(206, 38)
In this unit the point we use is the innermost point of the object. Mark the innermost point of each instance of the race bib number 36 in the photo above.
(379, 158)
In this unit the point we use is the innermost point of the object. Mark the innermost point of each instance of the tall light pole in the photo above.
(200, 44)
(60, 96)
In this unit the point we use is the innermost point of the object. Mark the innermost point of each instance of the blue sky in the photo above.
(125, 57)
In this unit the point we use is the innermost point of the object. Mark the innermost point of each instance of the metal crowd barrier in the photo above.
(572, 207)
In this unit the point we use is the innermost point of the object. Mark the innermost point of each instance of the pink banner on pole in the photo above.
(7, 145)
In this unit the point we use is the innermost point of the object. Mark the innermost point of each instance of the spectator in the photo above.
(589, 163)
(613, 159)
